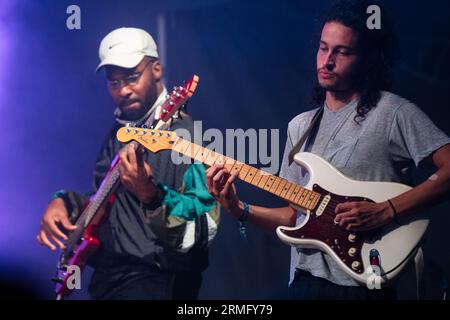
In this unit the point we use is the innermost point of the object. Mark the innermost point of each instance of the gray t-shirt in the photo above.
(394, 138)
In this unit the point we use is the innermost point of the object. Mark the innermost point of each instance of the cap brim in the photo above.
(121, 61)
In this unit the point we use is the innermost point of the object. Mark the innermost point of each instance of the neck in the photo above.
(338, 99)
(159, 88)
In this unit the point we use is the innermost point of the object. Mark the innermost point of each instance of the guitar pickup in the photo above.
(323, 205)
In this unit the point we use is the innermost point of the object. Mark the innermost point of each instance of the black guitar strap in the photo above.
(296, 148)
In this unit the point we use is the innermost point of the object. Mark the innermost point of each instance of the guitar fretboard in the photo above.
(291, 192)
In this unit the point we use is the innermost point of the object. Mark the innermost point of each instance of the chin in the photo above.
(132, 113)
(327, 86)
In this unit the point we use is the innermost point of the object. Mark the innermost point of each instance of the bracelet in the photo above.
(395, 213)
(245, 211)
(243, 218)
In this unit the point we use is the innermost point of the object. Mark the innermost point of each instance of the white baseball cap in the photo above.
(125, 47)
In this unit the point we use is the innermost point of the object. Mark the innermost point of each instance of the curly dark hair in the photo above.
(379, 51)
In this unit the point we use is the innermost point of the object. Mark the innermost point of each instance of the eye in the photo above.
(134, 78)
(344, 52)
(113, 83)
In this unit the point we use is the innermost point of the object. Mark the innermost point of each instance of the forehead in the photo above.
(336, 34)
(115, 71)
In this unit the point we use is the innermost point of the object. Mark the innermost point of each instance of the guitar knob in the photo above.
(356, 265)
(352, 252)
(352, 237)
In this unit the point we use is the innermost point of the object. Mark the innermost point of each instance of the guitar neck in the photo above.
(291, 192)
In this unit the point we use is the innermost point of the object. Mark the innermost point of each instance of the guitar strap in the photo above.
(312, 126)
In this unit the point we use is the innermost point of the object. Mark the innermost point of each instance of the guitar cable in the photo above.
(414, 251)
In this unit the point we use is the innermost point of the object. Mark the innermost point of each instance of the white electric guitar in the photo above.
(384, 251)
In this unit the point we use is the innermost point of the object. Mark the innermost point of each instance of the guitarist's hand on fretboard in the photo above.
(136, 174)
(220, 184)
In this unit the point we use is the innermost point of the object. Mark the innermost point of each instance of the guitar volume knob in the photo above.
(352, 237)
(356, 265)
(352, 252)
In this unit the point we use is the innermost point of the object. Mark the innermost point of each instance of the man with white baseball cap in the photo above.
(137, 258)
(127, 53)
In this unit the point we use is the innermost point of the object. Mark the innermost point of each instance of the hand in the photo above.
(136, 174)
(363, 215)
(56, 214)
(220, 184)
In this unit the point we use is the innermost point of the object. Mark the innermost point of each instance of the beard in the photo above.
(135, 108)
(338, 83)
(328, 86)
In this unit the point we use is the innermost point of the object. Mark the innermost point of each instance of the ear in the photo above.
(157, 70)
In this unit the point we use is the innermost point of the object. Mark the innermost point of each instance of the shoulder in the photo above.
(393, 103)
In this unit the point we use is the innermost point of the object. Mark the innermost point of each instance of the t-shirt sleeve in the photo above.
(413, 136)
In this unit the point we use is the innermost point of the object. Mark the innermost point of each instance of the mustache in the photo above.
(326, 71)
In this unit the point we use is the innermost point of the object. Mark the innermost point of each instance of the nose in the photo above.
(125, 90)
(329, 63)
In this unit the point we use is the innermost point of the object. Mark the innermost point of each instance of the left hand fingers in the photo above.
(124, 162)
(139, 152)
(131, 154)
(228, 184)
